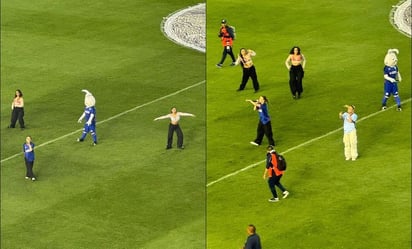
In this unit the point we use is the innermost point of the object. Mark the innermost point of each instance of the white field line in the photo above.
(298, 146)
(110, 118)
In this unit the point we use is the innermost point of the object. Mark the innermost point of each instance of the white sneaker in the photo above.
(254, 143)
(27, 177)
(347, 159)
(33, 179)
(384, 107)
(273, 199)
(285, 194)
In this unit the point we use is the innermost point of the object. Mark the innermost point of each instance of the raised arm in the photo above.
(162, 117)
(186, 114)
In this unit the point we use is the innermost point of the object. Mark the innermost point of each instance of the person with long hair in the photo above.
(174, 126)
(264, 125)
(28, 150)
(249, 70)
(295, 63)
(17, 107)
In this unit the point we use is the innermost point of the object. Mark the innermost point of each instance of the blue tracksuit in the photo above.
(389, 87)
(88, 111)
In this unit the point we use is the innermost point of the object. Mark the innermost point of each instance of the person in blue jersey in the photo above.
(392, 77)
(253, 239)
(89, 115)
(28, 149)
(264, 125)
(174, 126)
(350, 139)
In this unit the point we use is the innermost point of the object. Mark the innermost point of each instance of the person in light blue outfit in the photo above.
(350, 138)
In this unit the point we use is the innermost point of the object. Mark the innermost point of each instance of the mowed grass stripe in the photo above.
(300, 145)
(110, 118)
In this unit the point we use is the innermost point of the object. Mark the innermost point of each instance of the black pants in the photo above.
(227, 50)
(295, 80)
(275, 181)
(17, 114)
(175, 128)
(29, 168)
(249, 73)
(264, 129)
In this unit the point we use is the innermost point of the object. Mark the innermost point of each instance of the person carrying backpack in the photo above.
(274, 174)
(226, 35)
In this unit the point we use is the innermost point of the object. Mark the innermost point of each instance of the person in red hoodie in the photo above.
(273, 174)
(227, 35)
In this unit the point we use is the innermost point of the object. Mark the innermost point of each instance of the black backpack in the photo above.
(281, 161)
(232, 31)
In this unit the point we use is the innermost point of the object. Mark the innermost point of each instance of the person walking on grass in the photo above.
(17, 113)
(89, 114)
(253, 239)
(227, 35)
(273, 174)
(174, 126)
(28, 150)
(295, 63)
(249, 71)
(350, 139)
(264, 125)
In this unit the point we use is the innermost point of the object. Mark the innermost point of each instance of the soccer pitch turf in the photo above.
(129, 192)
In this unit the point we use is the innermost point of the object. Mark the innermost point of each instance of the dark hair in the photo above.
(252, 228)
(292, 52)
(266, 99)
(241, 56)
(20, 93)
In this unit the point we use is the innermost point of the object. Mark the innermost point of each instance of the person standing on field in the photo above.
(350, 138)
(227, 35)
(253, 239)
(174, 126)
(28, 149)
(17, 107)
(264, 125)
(273, 174)
(89, 114)
(249, 70)
(295, 63)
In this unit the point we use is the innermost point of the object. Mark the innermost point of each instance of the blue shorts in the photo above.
(391, 88)
(89, 128)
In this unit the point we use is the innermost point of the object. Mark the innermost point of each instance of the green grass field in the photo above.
(333, 203)
(127, 192)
